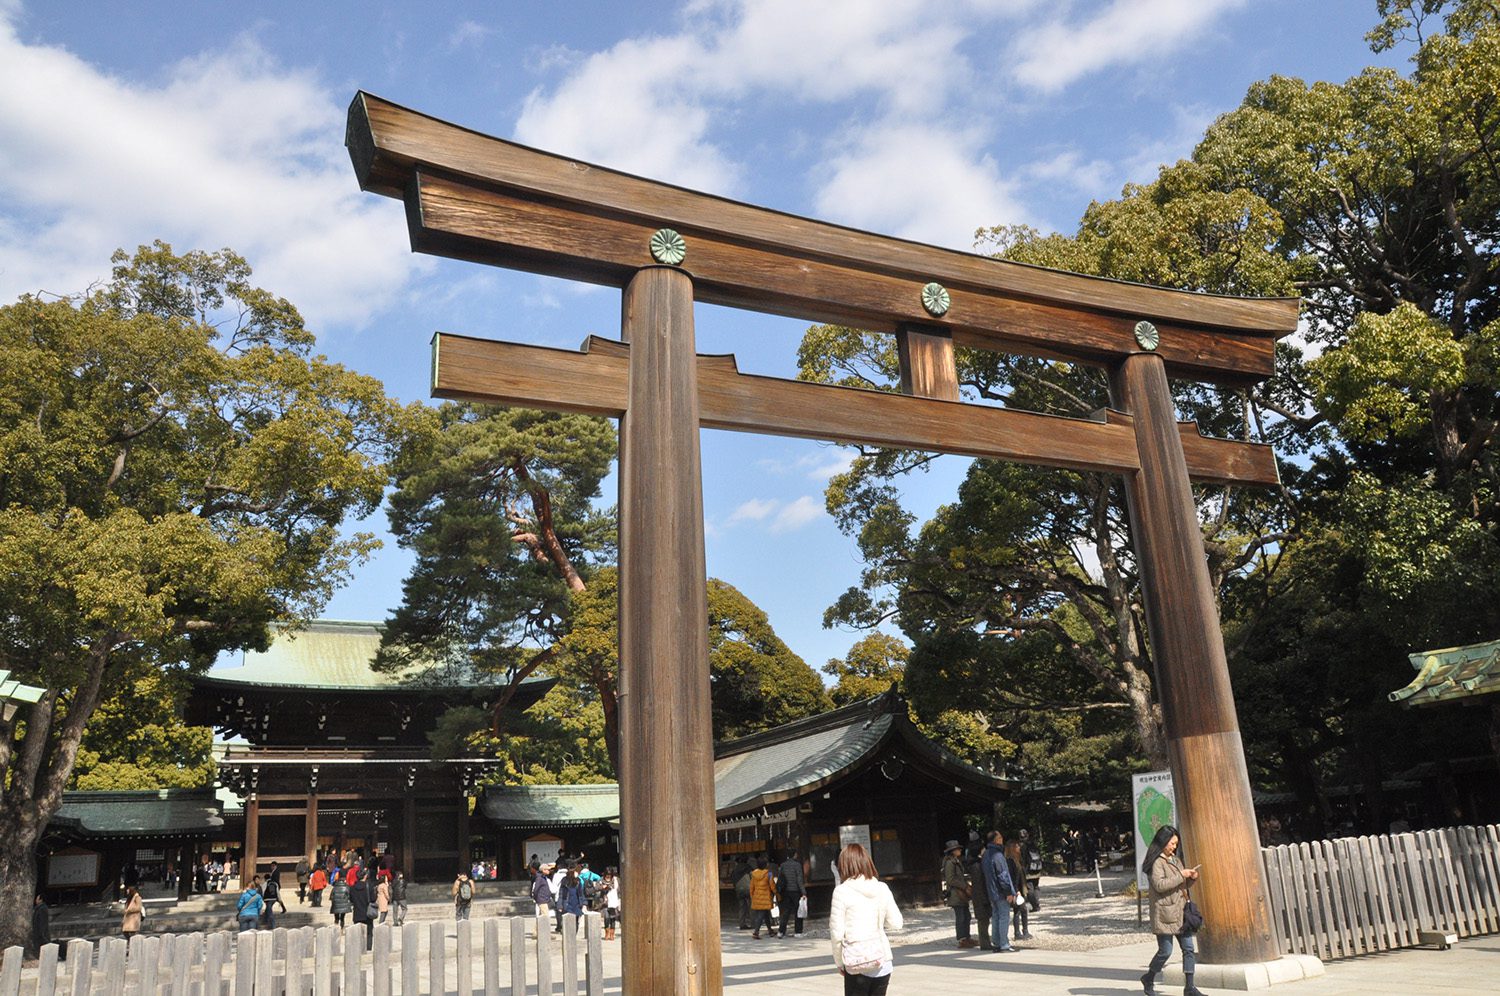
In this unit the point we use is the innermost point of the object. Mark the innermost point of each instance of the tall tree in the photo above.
(177, 464)
(496, 505)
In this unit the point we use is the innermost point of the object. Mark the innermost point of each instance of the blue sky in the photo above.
(214, 124)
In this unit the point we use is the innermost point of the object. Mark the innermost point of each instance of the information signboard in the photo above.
(1153, 806)
(855, 834)
(73, 869)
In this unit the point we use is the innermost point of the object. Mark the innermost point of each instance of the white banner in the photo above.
(1153, 806)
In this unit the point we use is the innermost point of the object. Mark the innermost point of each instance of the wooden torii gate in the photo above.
(478, 198)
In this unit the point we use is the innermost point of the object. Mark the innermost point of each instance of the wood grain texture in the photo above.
(451, 217)
(387, 143)
(595, 382)
(666, 729)
(1217, 820)
(928, 369)
(1192, 674)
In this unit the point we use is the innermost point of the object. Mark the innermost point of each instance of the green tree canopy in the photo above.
(177, 467)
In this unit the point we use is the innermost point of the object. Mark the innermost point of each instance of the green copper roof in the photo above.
(17, 692)
(146, 813)
(523, 806)
(774, 767)
(1454, 673)
(329, 654)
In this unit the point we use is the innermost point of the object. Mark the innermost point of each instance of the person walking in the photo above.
(304, 870)
(1169, 887)
(793, 885)
(463, 895)
(1020, 917)
(272, 893)
(1001, 887)
(41, 926)
(559, 872)
(974, 868)
(362, 898)
(339, 903)
(762, 896)
(1032, 870)
(383, 899)
(611, 887)
(135, 912)
(398, 898)
(742, 890)
(250, 903)
(863, 908)
(570, 898)
(956, 891)
(317, 882)
(541, 890)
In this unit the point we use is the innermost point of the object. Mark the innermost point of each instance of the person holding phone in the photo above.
(1169, 886)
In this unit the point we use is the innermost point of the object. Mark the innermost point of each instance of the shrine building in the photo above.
(327, 752)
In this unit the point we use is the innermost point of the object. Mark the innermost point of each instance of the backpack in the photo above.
(1033, 861)
(465, 891)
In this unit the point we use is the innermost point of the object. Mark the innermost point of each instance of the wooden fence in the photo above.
(323, 961)
(1356, 895)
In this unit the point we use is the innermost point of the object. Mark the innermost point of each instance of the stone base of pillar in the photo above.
(1248, 975)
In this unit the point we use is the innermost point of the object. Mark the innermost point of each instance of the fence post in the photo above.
(354, 950)
(323, 960)
(80, 966)
(570, 953)
(543, 956)
(491, 957)
(112, 951)
(436, 973)
(292, 972)
(593, 970)
(463, 967)
(380, 962)
(411, 958)
(517, 956)
(215, 956)
(46, 971)
(10, 971)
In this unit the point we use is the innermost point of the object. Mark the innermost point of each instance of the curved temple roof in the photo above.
(1453, 673)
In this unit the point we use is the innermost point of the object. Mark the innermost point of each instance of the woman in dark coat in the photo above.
(360, 895)
(338, 900)
(1169, 885)
(570, 896)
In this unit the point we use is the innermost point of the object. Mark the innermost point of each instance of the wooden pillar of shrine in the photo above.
(1215, 811)
(310, 828)
(666, 728)
(465, 859)
(408, 834)
(251, 856)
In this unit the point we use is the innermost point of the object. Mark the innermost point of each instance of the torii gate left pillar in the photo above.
(666, 723)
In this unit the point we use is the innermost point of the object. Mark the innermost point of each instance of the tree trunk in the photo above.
(19, 833)
(1147, 717)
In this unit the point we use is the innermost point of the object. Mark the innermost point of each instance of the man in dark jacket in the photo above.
(1001, 889)
(793, 889)
(973, 867)
(41, 927)
(361, 896)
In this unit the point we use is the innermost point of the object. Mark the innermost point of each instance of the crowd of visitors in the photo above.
(568, 885)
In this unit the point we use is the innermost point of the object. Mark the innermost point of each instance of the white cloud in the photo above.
(1055, 54)
(777, 515)
(918, 181)
(650, 105)
(754, 510)
(231, 149)
(468, 33)
(796, 514)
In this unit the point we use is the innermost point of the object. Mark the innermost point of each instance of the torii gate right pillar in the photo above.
(1215, 810)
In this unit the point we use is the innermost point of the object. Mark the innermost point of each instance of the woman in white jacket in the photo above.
(863, 908)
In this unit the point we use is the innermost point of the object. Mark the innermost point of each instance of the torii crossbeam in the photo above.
(482, 199)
